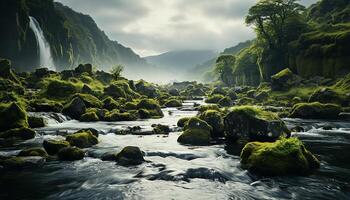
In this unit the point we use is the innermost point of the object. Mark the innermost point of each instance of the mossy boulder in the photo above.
(115, 91)
(12, 116)
(82, 139)
(215, 120)
(60, 89)
(44, 105)
(23, 162)
(174, 92)
(232, 94)
(130, 106)
(214, 98)
(18, 133)
(219, 90)
(204, 108)
(182, 121)
(283, 157)
(151, 106)
(52, 147)
(253, 124)
(161, 129)
(116, 115)
(225, 102)
(86, 68)
(110, 104)
(89, 100)
(89, 117)
(173, 103)
(129, 156)
(196, 132)
(35, 151)
(284, 80)
(328, 95)
(70, 154)
(75, 108)
(36, 122)
(146, 89)
(315, 110)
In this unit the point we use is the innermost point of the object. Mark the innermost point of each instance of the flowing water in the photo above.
(44, 47)
(175, 171)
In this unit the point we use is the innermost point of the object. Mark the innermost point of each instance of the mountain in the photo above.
(73, 37)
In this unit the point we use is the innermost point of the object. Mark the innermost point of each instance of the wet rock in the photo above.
(283, 157)
(23, 162)
(173, 103)
(12, 116)
(52, 147)
(70, 154)
(215, 120)
(42, 72)
(36, 122)
(196, 132)
(181, 122)
(225, 102)
(315, 110)
(75, 108)
(130, 155)
(151, 108)
(344, 115)
(19, 133)
(36, 151)
(297, 129)
(46, 106)
(109, 156)
(82, 139)
(89, 117)
(161, 129)
(253, 124)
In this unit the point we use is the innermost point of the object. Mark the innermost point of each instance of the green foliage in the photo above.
(116, 71)
(224, 67)
(283, 157)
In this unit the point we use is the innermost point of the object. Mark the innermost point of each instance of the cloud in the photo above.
(156, 26)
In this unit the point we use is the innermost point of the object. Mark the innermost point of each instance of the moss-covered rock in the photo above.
(44, 105)
(70, 154)
(196, 132)
(182, 121)
(89, 100)
(116, 115)
(214, 98)
(82, 139)
(19, 133)
(146, 89)
(204, 108)
(315, 110)
(283, 157)
(23, 162)
(86, 68)
(161, 129)
(12, 116)
(173, 103)
(232, 94)
(328, 95)
(129, 156)
(75, 108)
(36, 122)
(52, 147)
(60, 89)
(115, 91)
(151, 106)
(284, 80)
(110, 104)
(225, 102)
(89, 117)
(130, 106)
(254, 124)
(35, 151)
(215, 120)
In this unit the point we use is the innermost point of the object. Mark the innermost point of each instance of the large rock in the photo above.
(283, 157)
(18, 133)
(173, 103)
(151, 106)
(12, 116)
(89, 117)
(284, 80)
(196, 132)
(35, 151)
(23, 162)
(52, 147)
(6, 71)
(70, 154)
(145, 88)
(254, 124)
(75, 108)
(328, 95)
(115, 91)
(215, 120)
(87, 68)
(130, 155)
(36, 122)
(315, 110)
(82, 139)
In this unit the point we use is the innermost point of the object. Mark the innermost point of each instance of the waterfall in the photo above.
(44, 47)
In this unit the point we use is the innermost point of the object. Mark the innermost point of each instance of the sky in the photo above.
(151, 27)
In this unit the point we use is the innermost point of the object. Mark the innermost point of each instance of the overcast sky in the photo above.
(151, 27)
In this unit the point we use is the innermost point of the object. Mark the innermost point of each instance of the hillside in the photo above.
(74, 37)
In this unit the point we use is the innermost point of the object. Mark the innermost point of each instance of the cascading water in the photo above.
(44, 47)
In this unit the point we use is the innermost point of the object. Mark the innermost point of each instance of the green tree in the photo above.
(224, 68)
(117, 70)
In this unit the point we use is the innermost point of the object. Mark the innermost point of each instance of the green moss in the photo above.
(255, 111)
(196, 123)
(151, 106)
(45, 105)
(283, 73)
(225, 102)
(161, 129)
(195, 137)
(36, 151)
(36, 122)
(315, 110)
(19, 133)
(60, 89)
(75, 108)
(116, 115)
(12, 116)
(283, 157)
(130, 106)
(90, 101)
(53, 146)
(173, 103)
(130, 155)
(109, 103)
(82, 139)
(214, 98)
(215, 120)
(70, 154)
(204, 108)
(182, 121)
(89, 117)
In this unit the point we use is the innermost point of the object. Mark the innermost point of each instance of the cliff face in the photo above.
(74, 37)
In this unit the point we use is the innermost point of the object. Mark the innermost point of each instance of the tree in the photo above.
(269, 17)
(117, 70)
(224, 68)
